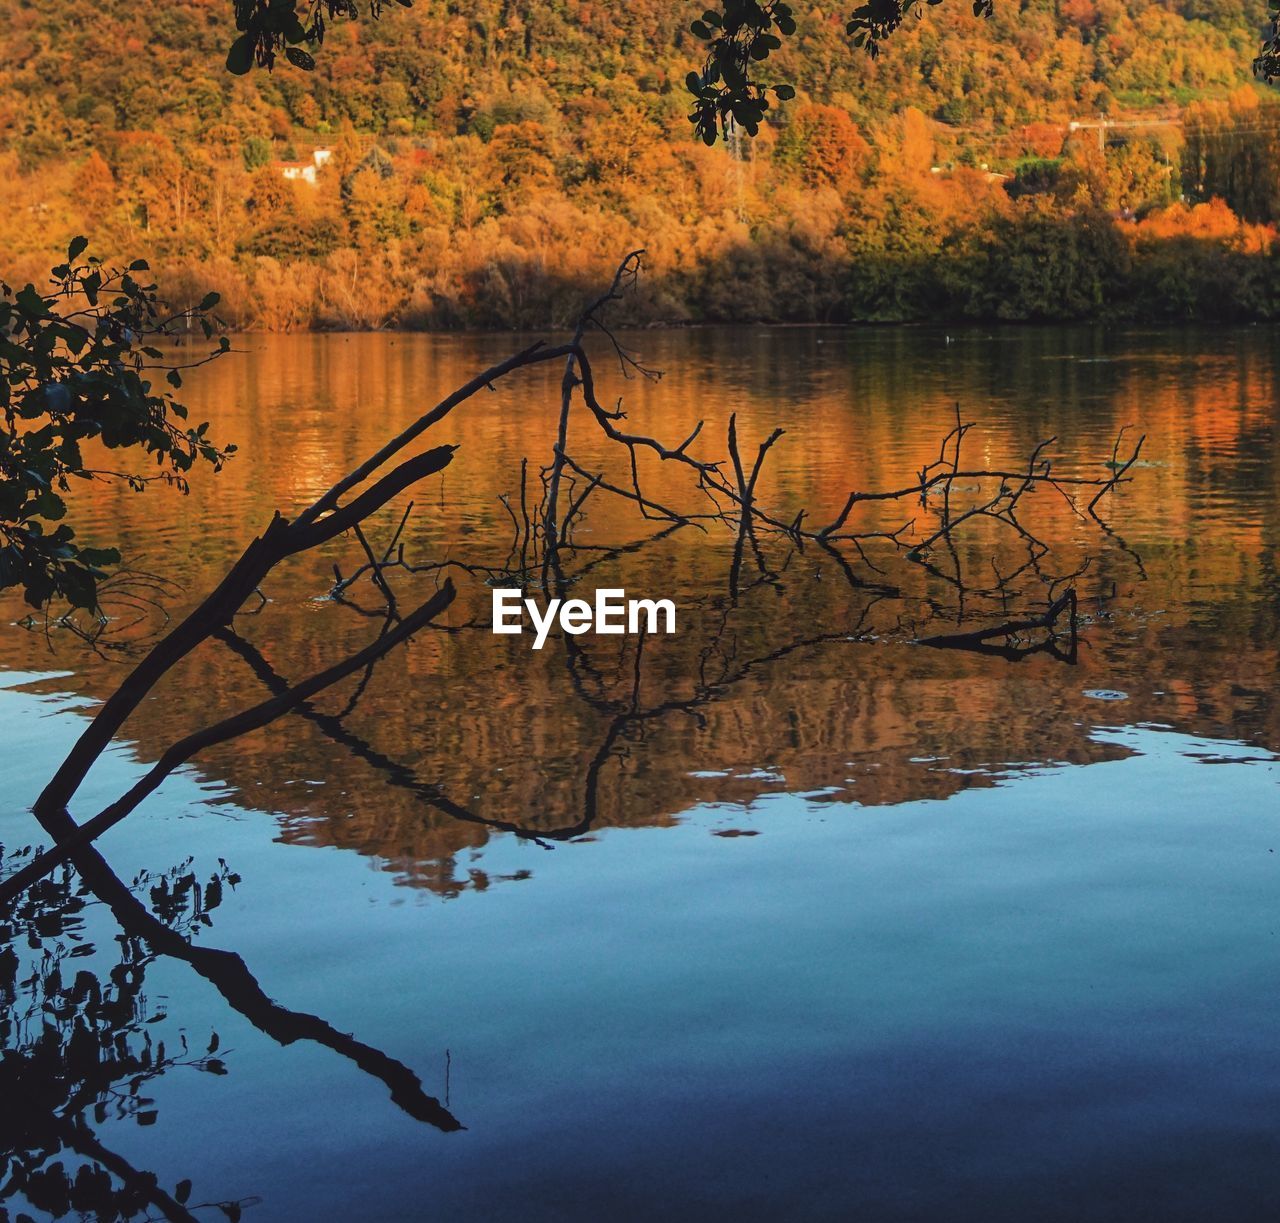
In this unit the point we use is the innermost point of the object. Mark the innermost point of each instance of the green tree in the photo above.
(256, 153)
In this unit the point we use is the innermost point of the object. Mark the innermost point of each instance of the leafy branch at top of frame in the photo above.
(269, 28)
(79, 364)
(739, 35)
(742, 34)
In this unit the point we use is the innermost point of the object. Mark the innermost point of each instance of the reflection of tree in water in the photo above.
(81, 1044)
(80, 1038)
(79, 1048)
(949, 494)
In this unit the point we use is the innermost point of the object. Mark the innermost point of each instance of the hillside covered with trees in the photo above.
(477, 165)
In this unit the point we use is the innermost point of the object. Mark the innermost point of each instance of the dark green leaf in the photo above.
(240, 56)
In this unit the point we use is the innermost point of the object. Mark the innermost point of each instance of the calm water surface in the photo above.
(801, 919)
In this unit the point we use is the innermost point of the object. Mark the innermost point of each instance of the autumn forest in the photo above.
(476, 166)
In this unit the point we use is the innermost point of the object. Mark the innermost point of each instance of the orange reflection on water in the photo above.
(465, 732)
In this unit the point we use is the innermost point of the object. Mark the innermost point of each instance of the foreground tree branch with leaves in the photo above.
(79, 368)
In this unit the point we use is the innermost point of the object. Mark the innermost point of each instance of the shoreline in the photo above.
(1118, 325)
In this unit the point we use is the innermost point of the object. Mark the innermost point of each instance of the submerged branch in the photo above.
(979, 640)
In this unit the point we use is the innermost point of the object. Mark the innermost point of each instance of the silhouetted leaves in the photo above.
(73, 369)
(80, 1046)
(1267, 64)
(741, 34)
(744, 33)
(240, 55)
(269, 27)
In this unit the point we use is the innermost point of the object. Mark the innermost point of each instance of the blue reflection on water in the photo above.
(1050, 999)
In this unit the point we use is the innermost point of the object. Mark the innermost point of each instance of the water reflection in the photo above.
(812, 676)
(80, 1038)
(885, 945)
(83, 1042)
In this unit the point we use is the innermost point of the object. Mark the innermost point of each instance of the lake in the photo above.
(784, 915)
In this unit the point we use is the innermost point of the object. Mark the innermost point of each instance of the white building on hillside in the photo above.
(305, 171)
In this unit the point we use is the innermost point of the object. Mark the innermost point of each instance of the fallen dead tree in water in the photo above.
(544, 548)
(545, 554)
